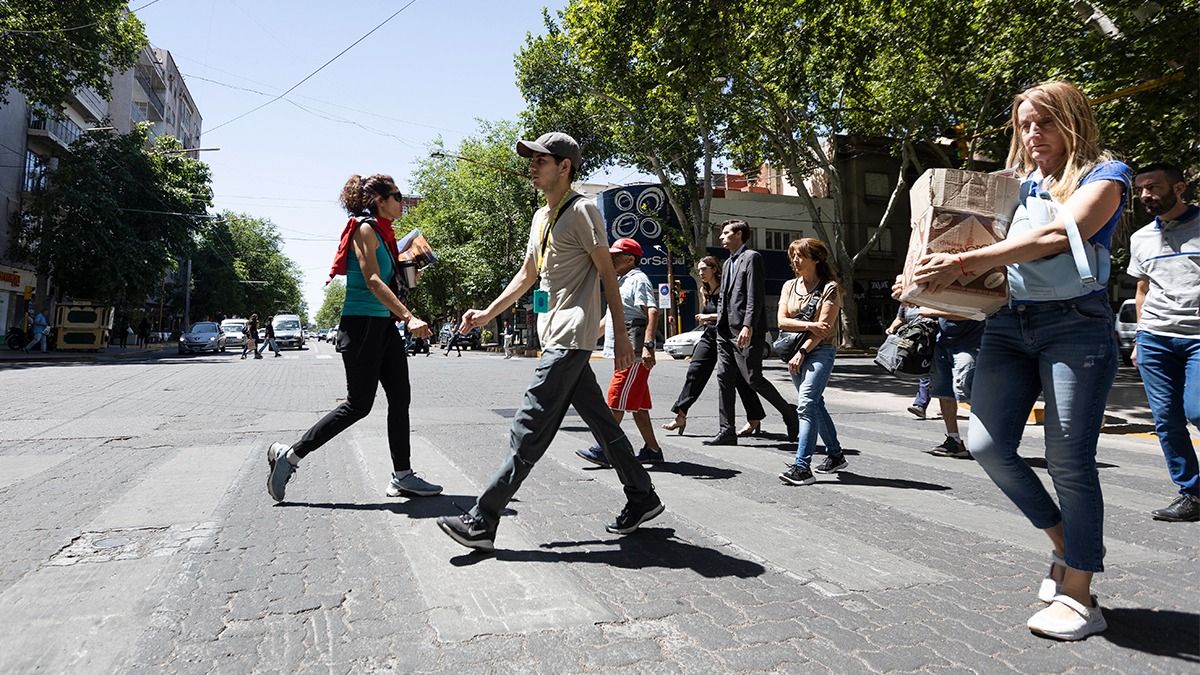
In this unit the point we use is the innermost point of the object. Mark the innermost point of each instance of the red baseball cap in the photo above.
(626, 245)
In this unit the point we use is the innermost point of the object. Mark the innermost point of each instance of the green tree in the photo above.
(476, 214)
(239, 268)
(115, 216)
(330, 313)
(49, 49)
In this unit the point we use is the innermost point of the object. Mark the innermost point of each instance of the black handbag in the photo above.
(788, 342)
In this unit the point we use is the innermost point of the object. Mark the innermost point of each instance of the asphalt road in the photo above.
(138, 536)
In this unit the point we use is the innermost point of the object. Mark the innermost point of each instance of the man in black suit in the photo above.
(742, 333)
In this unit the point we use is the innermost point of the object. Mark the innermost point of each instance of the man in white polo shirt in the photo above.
(1164, 256)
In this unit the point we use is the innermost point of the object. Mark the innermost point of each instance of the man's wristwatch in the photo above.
(649, 344)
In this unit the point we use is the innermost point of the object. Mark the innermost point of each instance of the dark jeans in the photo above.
(563, 377)
(746, 364)
(373, 353)
(704, 361)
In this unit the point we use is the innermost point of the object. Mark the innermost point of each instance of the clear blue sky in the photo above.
(430, 72)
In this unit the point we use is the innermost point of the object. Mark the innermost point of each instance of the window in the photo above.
(778, 240)
(140, 111)
(35, 171)
(877, 185)
(883, 245)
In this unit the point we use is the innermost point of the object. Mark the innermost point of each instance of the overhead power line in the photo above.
(310, 75)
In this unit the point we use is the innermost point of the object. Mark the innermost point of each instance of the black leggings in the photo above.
(373, 353)
(704, 361)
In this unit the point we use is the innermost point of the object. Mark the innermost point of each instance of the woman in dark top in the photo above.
(704, 358)
(372, 348)
(250, 330)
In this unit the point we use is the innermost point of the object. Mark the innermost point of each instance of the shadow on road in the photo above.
(693, 470)
(1159, 632)
(1040, 463)
(850, 478)
(647, 547)
(419, 507)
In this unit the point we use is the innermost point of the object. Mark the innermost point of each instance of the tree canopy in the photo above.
(50, 48)
(330, 312)
(476, 213)
(239, 268)
(115, 216)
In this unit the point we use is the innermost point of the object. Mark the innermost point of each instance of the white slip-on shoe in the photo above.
(1084, 622)
(1049, 587)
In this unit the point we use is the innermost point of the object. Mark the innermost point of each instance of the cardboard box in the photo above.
(955, 211)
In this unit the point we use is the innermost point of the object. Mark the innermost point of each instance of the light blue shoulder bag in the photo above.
(1065, 276)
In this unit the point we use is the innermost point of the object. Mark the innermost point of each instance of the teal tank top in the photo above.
(360, 301)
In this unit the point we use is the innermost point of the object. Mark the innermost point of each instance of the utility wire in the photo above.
(310, 75)
(71, 28)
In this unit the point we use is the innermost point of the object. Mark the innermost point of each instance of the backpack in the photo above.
(909, 351)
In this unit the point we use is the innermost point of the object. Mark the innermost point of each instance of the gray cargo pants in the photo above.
(563, 377)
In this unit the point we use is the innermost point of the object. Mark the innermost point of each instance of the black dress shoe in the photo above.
(1185, 509)
(727, 438)
(793, 427)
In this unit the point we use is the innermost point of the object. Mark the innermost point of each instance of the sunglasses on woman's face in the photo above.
(397, 196)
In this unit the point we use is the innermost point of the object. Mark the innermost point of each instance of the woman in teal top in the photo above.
(372, 349)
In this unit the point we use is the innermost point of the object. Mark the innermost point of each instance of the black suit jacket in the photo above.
(743, 295)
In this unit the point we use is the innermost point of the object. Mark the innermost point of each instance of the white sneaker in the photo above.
(1050, 586)
(1085, 621)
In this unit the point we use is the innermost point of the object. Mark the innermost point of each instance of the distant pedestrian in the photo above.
(567, 257)
(809, 304)
(143, 332)
(373, 351)
(629, 389)
(908, 313)
(1164, 257)
(704, 356)
(1054, 338)
(455, 342)
(123, 331)
(268, 338)
(250, 330)
(40, 331)
(509, 335)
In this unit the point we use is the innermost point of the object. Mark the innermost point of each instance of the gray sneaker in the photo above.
(412, 485)
(281, 470)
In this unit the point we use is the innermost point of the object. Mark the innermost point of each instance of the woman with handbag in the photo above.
(1054, 338)
(372, 348)
(808, 310)
(704, 357)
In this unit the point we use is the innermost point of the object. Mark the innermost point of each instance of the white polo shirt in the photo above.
(1167, 253)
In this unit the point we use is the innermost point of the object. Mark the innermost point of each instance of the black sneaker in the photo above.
(832, 464)
(469, 531)
(650, 456)
(797, 476)
(1185, 509)
(951, 448)
(634, 515)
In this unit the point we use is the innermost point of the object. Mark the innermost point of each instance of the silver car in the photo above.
(681, 346)
(232, 328)
(203, 336)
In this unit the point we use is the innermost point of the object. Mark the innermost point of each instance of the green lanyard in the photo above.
(546, 229)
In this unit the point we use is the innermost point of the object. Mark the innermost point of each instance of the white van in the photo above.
(288, 331)
(232, 328)
(1126, 328)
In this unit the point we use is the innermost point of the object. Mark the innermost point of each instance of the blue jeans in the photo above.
(921, 400)
(1066, 351)
(810, 406)
(1170, 368)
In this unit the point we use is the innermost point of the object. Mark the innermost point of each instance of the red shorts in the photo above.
(630, 388)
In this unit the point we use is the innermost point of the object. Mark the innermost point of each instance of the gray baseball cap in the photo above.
(554, 143)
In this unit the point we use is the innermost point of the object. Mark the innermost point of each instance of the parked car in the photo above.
(201, 337)
(233, 330)
(471, 340)
(1126, 327)
(288, 332)
(681, 346)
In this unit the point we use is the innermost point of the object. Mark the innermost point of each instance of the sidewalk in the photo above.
(9, 356)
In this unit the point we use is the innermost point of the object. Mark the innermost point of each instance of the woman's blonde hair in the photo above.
(1073, 117)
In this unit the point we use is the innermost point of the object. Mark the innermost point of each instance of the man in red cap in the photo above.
(567, 259)
(629, 390)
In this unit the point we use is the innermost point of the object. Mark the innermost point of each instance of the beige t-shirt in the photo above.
(793, 301)
(568, 274)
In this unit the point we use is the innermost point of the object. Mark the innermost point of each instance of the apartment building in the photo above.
(31, 139)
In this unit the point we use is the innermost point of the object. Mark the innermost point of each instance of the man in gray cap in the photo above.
(567, 258)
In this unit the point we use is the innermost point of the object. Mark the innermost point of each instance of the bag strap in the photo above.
(1052, 208)
(547, 229)
(810, 306)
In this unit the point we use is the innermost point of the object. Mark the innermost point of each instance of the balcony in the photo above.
(157, 108)
(89, 103)
(64, 132)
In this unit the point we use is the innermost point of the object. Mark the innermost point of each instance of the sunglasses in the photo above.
(397, 196)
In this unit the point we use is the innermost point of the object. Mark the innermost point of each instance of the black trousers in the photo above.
(704, 362)
(735, 364)
(373, 353)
